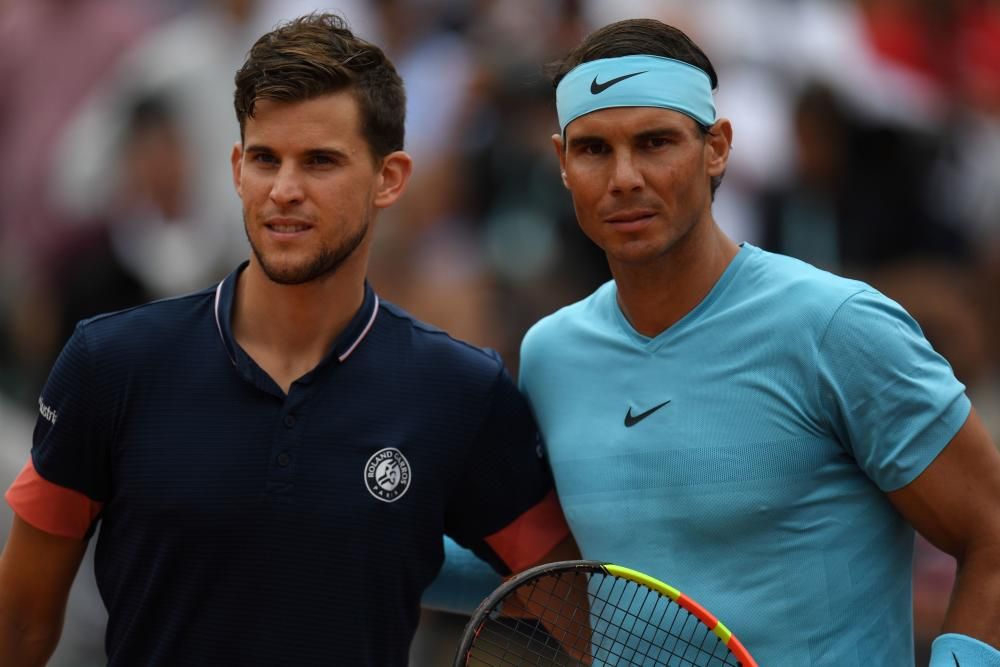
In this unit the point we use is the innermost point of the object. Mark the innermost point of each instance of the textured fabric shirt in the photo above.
(743, 454)
(243, 526)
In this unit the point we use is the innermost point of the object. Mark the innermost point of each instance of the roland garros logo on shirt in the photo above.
(387, 474)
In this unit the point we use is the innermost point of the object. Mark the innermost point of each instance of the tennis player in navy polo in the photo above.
(273, 461)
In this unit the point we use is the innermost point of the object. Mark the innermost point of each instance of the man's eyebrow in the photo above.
(671, 132)
(312, 152)
(328, 152)
(585, 140)
(665, 131)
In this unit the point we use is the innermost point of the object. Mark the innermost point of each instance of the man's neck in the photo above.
(288, 329)
(654, 297)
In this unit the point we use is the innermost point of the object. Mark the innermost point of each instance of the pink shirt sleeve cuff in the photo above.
(49, 507)
(528, 538)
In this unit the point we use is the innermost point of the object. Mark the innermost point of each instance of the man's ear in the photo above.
(394, 174)
(559, 146)
(718, 143)
(236, 159)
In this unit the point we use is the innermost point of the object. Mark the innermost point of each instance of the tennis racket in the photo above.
(592, 613)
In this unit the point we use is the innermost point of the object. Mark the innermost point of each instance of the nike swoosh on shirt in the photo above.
(596, 88)
(631, 420)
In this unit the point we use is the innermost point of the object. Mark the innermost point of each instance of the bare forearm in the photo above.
(26, 646)
(975, 603)
(567, 549)
(36, 572)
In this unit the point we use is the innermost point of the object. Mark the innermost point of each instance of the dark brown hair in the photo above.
(318, 54)
(633, 37)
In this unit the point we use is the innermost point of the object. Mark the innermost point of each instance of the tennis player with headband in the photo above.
(758, 432)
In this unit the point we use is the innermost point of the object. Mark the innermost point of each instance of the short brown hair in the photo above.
(318, 54)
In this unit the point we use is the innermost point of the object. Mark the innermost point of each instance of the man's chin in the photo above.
(298, 273)
(294, 268)
(290, 275)
(287, 278)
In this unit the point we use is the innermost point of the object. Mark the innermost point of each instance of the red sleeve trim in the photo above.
(49, 507)
(523, 542)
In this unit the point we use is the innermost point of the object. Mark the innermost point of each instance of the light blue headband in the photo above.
(635, 81)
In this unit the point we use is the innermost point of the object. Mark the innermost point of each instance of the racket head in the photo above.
(594, 613)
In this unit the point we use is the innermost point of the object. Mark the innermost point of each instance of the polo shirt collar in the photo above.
(345, 345)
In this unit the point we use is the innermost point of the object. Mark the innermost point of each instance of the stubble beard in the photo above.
(324, 264)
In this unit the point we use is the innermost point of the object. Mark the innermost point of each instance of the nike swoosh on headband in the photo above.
(607, 83)
(596, 88)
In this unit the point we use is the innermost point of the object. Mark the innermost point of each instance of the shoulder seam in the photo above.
(485, 418)
(822, 340)
(836, 311)
(433, 330)
(104, 316)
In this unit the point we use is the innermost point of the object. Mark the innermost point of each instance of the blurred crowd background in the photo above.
(867, 141)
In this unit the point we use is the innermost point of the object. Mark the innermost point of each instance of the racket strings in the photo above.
(634, 625)
(537, 626)
(617, 622)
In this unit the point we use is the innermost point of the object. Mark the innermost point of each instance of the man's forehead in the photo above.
(630, 121)
(336, 112)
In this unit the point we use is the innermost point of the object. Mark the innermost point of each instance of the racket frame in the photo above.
(482, 612)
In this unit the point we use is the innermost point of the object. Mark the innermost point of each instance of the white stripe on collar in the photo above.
(364, 333)
(218, 322)
(341, 358)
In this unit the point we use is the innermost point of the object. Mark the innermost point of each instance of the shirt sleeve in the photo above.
(891, 399)
(506, 510)
(65, 483)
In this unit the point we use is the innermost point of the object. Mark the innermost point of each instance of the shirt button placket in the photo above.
(286, 439)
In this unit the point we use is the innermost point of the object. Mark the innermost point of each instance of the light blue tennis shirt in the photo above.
(743, 454)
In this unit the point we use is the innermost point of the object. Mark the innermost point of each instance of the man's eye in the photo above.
(595, 149)
(264, 158)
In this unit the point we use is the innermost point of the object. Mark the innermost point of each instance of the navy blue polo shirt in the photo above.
(241, 526)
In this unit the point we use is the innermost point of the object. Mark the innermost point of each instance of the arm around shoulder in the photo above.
(955, 504)
(36, 572)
